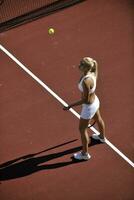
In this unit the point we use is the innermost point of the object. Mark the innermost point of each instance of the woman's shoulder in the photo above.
(90, 78)
(90, 75)
(87, 79)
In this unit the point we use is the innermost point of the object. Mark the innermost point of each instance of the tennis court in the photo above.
(39, 74)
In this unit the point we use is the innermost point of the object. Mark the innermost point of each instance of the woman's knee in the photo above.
(82, 128)
(83, 125)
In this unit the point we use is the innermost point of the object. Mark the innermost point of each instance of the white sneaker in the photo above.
(81, 156)
(96, 137)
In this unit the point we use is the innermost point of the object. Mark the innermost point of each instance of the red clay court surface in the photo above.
(37, 137)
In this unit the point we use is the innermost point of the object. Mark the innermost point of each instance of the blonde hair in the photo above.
(90, 63)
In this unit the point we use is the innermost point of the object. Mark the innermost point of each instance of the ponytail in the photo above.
(93, 68)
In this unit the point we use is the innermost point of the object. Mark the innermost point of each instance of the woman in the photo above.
(90, 106)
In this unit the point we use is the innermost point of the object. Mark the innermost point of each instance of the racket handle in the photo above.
(92, 124)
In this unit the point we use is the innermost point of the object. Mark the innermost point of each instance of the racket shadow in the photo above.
(32, 163)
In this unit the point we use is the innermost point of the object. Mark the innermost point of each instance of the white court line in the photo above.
(62, 101)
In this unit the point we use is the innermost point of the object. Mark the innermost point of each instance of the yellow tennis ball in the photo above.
(51, 31)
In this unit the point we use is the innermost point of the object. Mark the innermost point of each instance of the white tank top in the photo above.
(81, 82)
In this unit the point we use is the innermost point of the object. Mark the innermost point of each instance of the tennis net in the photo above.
(17, 12)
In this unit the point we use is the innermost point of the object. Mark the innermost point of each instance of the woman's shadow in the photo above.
(28, 164)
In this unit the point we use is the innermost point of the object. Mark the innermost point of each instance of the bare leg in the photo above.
(100, 123)
(83, 125)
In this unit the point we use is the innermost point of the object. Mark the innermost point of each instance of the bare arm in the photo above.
(84, 98)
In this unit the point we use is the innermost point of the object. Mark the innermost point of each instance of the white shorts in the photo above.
(89, 110)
